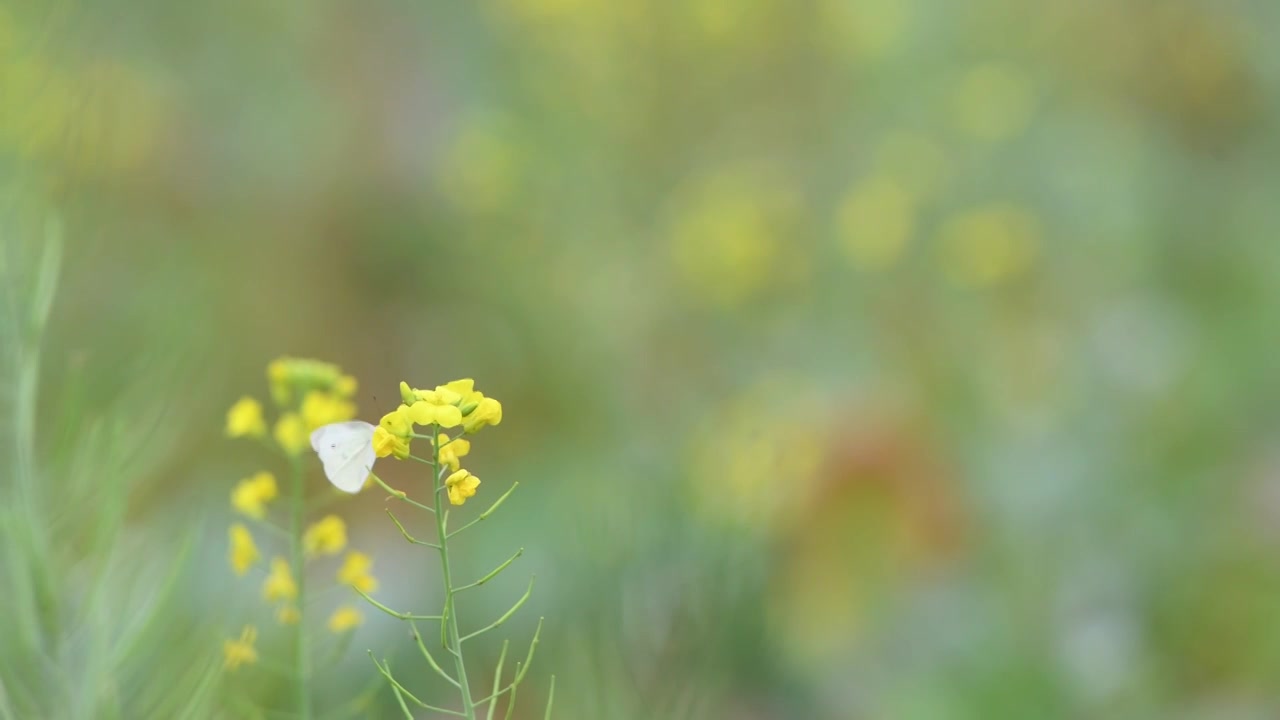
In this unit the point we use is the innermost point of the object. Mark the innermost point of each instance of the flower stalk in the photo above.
(450, 611)
(459, 407)
(302, 672)
(308, 395)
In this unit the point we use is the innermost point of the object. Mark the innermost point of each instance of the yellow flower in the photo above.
(278, 373)
(321, 408)
(288, 614)
(252, 494)
(397, 422)
(487, 412)
(291, 433)
(240, 652)
(461, 485)
(244, 552)
(344, 619)
(355, 572)
(326, 537)
(465, 392)
(346, 386)
(425, 412)
(409, 395)
(385, 443)
(244, 419)
(442, 395)
(451, 451)
(280, 584)
(289, 375)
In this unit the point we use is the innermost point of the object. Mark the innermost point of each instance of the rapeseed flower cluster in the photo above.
(453, 405)
(448, 414)
(306, 394)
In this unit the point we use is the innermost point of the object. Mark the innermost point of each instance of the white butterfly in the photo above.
(346, 449)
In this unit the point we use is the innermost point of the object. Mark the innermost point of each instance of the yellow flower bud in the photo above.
(344, 619)
(321, 408)
(346, 386)
(355, 572)
(240, 652)
(244, 552)
(328, 536)
(291, 433)
(280, 584)
(244, 419)
(252, 494)
(279, 376)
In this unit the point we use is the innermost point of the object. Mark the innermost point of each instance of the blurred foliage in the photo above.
(94, 611)
(861, 359)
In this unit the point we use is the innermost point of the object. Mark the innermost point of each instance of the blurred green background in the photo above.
(860, 358)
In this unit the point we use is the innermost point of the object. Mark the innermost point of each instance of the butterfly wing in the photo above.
(346, 451)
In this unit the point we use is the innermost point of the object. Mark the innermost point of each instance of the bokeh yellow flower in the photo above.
(295, 377)
(481, 170)
(280, 585)
(733, 237)
(244, 552)
(251, 495)
(321, 408)
(291, 433)
(451, 451)
(344, 619)
(241, 651)
(876, 220)
(355, 571)
(753, 471)
(487, 412)
(993, 101)
(346, 386)
(328, 536)
(461, 485)
(989, 245)
(288, 614)
(915, 161)
(278, 381)
(244, 419)
(867, 29)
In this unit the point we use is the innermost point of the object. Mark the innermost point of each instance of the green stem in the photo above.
(450, 612)
(298, 562)
(29, 328)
